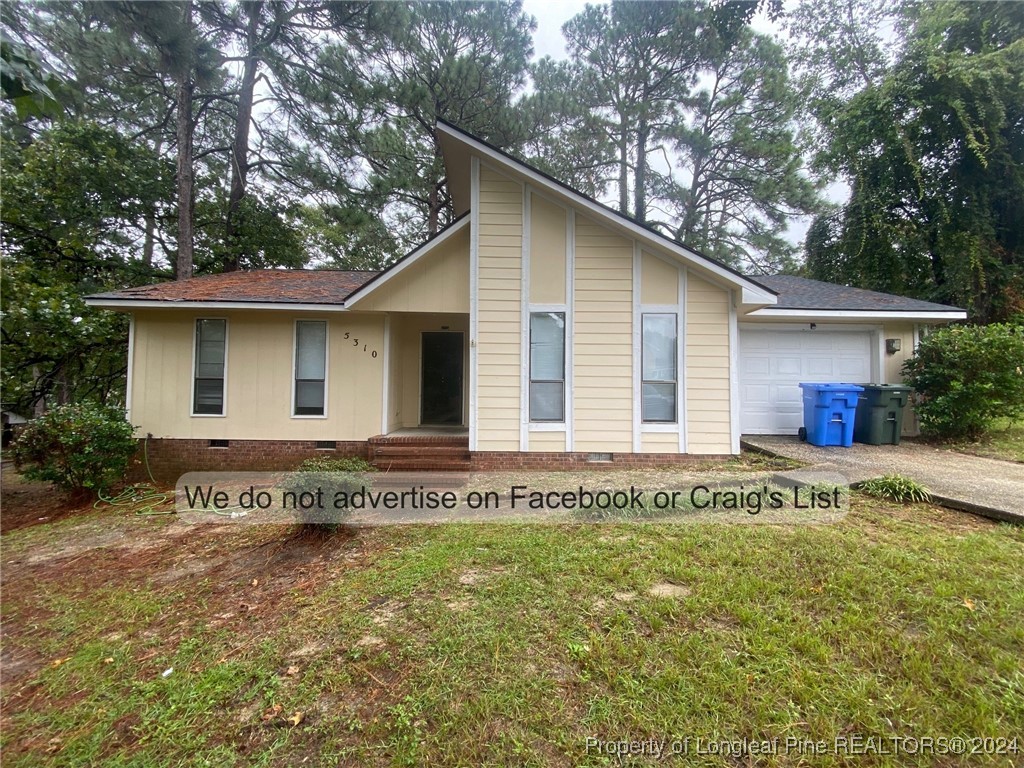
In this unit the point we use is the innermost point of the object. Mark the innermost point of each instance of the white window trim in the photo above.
(734, 376)
(327, 365)
(474, 298)
(570, 323)
(386, 378)
(660, 426)
(682, 415)
(547, 426)
(192, 381)
(128, 377)
(524, 326)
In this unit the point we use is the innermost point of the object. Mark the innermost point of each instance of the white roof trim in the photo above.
(857, 314)
(752, 292)
(410, 259)
(185, 304)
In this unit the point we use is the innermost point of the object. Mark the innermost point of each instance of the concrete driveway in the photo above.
(986, 487)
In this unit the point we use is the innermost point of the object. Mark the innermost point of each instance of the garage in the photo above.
(773, 362)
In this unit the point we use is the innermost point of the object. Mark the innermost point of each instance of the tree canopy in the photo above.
(147, 141)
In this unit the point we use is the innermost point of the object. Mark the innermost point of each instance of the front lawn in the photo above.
(505, 645)
(1004, 441)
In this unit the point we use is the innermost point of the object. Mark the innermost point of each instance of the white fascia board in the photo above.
(203, 305)
(757, 294)
(412, 258)
(854, 314)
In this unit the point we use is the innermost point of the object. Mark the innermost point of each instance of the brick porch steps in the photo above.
(420, 453)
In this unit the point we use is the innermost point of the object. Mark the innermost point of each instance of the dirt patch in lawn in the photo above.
(28, 503)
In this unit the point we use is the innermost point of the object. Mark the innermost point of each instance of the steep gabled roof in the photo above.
(452, 137)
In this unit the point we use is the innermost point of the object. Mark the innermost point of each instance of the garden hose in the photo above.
(151, 497)
(146, 494)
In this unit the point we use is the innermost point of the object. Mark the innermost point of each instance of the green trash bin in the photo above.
(879, 419)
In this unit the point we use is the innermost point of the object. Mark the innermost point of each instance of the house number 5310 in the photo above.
(355, 343)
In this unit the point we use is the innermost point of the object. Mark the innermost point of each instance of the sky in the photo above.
(548, 41)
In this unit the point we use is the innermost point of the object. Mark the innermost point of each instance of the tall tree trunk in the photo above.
(623, 165)
(640, 177)
(39, 406)
(691, 215)
(240, 146)
(149, 243)
(186, 203)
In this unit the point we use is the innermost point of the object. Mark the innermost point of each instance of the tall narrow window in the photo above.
(208, 388)
(547, 366)
(310, 367)
(659, 368)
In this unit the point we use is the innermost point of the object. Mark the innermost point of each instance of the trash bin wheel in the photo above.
(802, 434)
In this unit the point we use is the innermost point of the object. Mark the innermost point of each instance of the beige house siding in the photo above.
(258, 398)
(707, 367)
(894, 364)
(603, 340)
(659, 442)
(549, 442)
(499, 286)
(547, 252)
(659, 281)
(437, 282)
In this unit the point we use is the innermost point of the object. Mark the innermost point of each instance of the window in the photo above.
(547, 366)
(658, 398)
(310, 367)
(208, 388)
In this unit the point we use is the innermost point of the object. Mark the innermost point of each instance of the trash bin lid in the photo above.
(831, 387)
(887, 387)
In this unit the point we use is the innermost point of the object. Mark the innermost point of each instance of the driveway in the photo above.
(986, 487)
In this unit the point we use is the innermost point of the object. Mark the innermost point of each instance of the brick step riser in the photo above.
(403, 450)
(423, 466)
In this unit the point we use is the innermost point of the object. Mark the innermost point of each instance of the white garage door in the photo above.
(774, 362)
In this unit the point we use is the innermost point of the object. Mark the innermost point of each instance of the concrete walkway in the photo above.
(987, 487)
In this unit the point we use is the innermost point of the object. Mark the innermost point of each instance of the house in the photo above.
(540, 328)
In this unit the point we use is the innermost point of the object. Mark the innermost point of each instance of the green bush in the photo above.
(82, 448)
(896, 487)
(966, 377)
(332, 476)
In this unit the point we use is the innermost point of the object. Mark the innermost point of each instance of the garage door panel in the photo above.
(820, 367)
(756, 366)
(774, 362)
(788, 366)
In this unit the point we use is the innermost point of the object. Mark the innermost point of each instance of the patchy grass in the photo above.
(504, 645)
(1004, 441)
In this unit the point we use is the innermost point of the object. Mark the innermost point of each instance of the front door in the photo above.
(441, 378)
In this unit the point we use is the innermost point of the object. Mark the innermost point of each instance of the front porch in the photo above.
(416, 449)
(426, 377)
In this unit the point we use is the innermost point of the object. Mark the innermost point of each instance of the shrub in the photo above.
(332, 476)
(966, 377)
(896, 487)
(82, 448)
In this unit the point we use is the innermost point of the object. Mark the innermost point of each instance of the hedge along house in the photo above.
(539, 329)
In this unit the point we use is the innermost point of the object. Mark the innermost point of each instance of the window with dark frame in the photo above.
(310, 367)
(659, 368)
(547, 366)
(208, 386)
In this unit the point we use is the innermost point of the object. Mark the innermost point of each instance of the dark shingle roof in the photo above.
(801, 293)
(279, 286)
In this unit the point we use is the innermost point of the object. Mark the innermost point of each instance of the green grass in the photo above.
(510, 645)
(1004, 441)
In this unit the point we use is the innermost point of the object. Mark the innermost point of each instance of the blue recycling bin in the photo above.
(830, 411)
